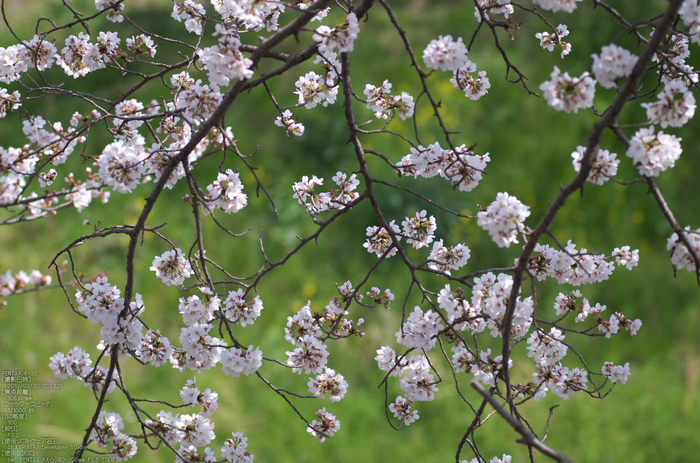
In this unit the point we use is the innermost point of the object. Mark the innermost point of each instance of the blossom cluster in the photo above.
(578, 267)
(78, 58)
(674, 107)
(336, 199)
(108, 428)
(9, 284)
(690, 14)
(654, 153)
(460, 166)
(341, 38)
(490, 299)
(419, 230)
(379, 240)
(603, 168)
(384, 105)
(559, 379)
(306, 331)
(225, 193)
(192, 13)
(613, 63)
(680, 256)
(286, 121)
(474, 87)
(207, 399)
(566, 304)
(172, 267)
(77, 364)
(197, 430)
(401, 408)
(567, 6)
(102, 303)
(445, 54)
(673, 65)
(328, 382)
(445, 258)
(313, 89)
(225, 61)
(569, 94)
(503, 219)
(504, 459)
(494, 7)
(326, 425)
(420, 330)
(484, 367)
(549, 41)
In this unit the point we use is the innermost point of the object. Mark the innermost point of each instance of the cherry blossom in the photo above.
(464, 168)
(485, 368)
(39, 53)
(604, 165)
(192, 13)
(616, 372)
(198, 102)
(560, 380)
(445, 259)
(114, 9)
(680, 256)
(388, 361)
(379, 241)
(503, 219)
(458, 307)
(235, 449)
(654, 153)
(494, 7)
(328, 382)
(420, 329)
(419, 384)
(327, 425)
(235, 362)
(194, 310)
(384, 105)
(572, 266)
(546, 348)
(674, 107)
(155, 349)
(123, 447)
(309, 356)
(613, 63)
(490, 296)
(225, 193)
(9, 101)
(623, 256)
(172, 267)
(567, 6)
(401, 409)
(286, 121)
(474, 87)
(690, 14)
(549, 41)
(341, 38)
(445, 54)
(419, 230)
(569, 94)
(225, 61)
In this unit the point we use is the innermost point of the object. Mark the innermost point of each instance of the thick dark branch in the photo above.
(528, 438)
(608, 120)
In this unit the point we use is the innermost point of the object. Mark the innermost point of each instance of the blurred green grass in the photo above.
(654, 417)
